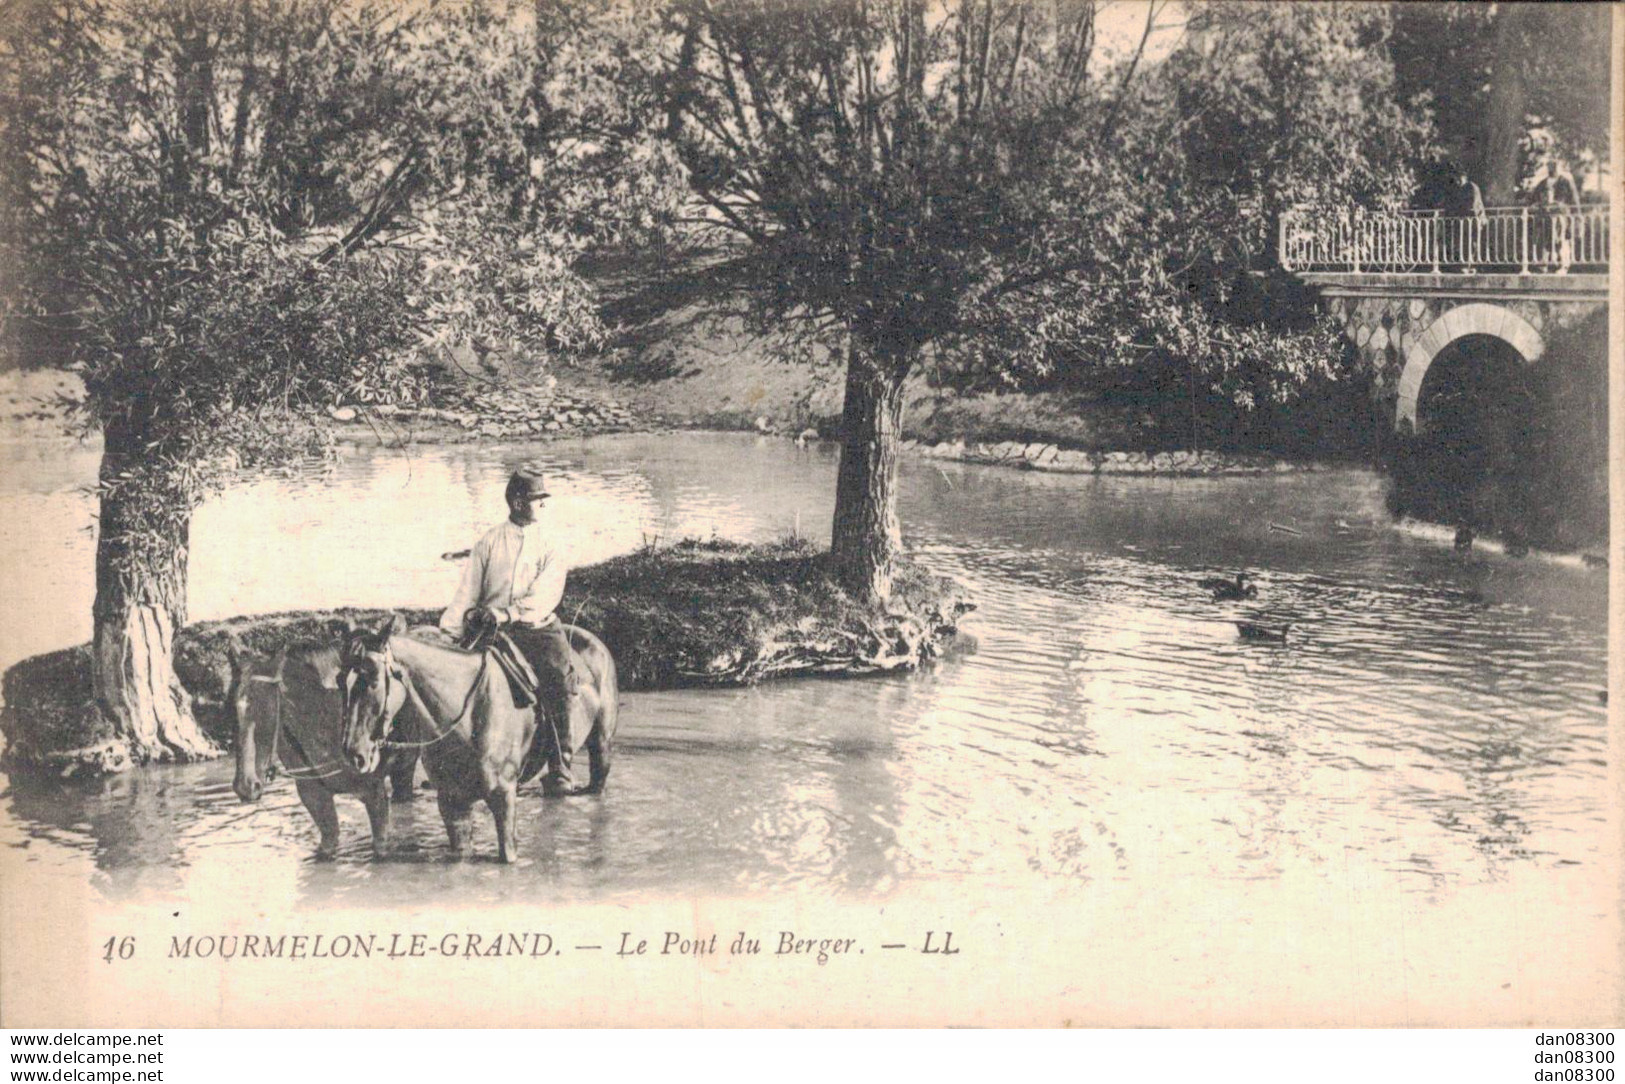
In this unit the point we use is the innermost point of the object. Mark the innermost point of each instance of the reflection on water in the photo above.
(1434, 720)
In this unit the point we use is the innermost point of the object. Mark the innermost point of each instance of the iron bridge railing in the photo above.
(1521, 240)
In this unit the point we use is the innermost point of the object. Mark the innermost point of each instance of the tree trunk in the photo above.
(140, 602)
(1503, 157)
(868, 536)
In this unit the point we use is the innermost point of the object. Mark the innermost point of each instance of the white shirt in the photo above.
(514, 572)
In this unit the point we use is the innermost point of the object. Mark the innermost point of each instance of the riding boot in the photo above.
(548, 649)
(560, 747)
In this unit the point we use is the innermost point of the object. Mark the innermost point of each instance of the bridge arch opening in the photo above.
(1464, 322)
(1476, 412)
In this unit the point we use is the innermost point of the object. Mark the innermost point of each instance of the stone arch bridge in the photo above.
(1406, 285)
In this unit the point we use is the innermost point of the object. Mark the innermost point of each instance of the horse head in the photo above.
(256, 696)
(374, 687)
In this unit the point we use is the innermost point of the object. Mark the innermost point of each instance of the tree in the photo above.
(234, 215)
(1287, 104)
(896, 169)
(1491, 74)
(1260, 108)
(968, 186)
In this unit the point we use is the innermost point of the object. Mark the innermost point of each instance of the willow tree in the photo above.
(907, 175)
(976, 186)
(1501, 78)
(230, 216)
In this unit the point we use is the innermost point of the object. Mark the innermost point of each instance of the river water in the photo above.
(1432, 729)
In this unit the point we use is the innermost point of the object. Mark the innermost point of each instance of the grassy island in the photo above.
(697, 613)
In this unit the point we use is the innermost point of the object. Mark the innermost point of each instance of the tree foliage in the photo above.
(970, 185)
(233, 215)
(1525, 68)
(1286, 104)
(904, 176)
(1259, 108)
(869, 151)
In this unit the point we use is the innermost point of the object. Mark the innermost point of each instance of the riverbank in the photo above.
(529, 408)
(742, 391)
(684, 355)
(698, 613)
(1034, 433)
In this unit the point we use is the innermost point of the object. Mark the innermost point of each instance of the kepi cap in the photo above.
(527, 482)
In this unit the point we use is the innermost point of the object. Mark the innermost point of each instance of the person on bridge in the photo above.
(1556, 193)
(1464, 200)
(514, 581)
(1464, 203)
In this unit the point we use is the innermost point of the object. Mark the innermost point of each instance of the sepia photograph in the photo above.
(738, 513)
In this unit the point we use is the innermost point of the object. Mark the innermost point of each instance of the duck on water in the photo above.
(1226, 590)
(1263, 634)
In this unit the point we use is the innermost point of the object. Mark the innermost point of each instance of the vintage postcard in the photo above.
(721, 513)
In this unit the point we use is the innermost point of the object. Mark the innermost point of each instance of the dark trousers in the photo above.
(547, 649)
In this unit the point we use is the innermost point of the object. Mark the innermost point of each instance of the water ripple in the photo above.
(1430, 716)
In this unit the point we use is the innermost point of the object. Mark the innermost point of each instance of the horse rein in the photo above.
(310, 770)
(451, 728)
(276, 725)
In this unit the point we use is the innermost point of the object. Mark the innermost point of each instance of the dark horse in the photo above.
(456, 707)
(287, 708)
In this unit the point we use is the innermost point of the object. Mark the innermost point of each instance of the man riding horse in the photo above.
(513, 582)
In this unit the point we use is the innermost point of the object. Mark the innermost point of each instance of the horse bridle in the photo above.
(276, 724)
(353, 654)
(310, 770)
(352, 660)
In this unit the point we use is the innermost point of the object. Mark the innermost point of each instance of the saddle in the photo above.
(521, 675)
